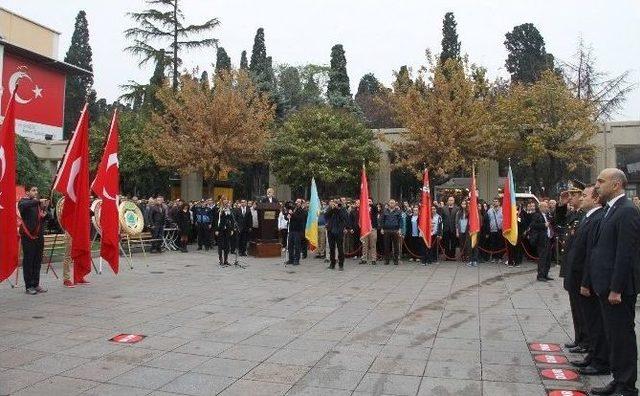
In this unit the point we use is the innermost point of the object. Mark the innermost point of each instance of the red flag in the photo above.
(424, 219)
(8, 225)
(72, 181)
(364, 216)
(106, 185)
(474, 216)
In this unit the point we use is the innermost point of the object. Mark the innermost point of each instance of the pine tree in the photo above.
(450, 43)
(338, 78)
(258, 62)
(78, 87)
(204, 81)
(527, 57)
(167, 25)
(223, 62)
(244, 65)
(403, 80)
(369, 85)
(157, 80)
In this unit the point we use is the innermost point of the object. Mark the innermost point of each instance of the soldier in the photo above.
(569, 219)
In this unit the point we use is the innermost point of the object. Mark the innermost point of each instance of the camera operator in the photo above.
(224, 231)
(337, 223)
(297, 223)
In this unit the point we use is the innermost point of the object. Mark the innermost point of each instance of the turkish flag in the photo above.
(424, 219)
(474, 216)
(364, 217)
(72, 181)
(106, 185)
(8, 214)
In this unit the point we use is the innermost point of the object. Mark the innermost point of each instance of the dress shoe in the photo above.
(332, 267)
(590, 370)
(31, 291)
(40, 289)
(548, 278)
(541, 279)
(605, 390)
(570, 345)
(578, 349)
(341, 269)
(580, 363)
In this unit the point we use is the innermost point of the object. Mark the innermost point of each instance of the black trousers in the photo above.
(418, 247)
(243, 240)
(598, 346)
(157, 233)
(283, 237)
(295, 246)
(619, 321)
(496, 242)
(204, 235)
(544, 256)
(391, 242)
(31, 260)
(336, 241)
(579, 322)
(224, 246)
(450, 241)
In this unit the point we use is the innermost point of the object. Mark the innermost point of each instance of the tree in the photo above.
(546, 130)
(78, 86)
(223, 62)
(290, 88)
(447, 127)
(210, 131)
(29, 169)
(403, 80)
(326, 143)
(338, 78)
(166, 26)
(204, 81)
(374, 100)
(606, 93)
(527, 57)
(450, 43)
(244, 65)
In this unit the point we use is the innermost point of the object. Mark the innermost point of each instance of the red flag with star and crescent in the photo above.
(424, 218)
(106, 185)
(8, 225)
(364, 216)
(72, 181)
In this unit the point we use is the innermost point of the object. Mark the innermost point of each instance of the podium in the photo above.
(267, 243)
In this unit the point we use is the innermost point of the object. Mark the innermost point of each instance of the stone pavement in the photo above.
(270, 330)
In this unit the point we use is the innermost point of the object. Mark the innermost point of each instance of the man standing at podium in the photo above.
(270, 198)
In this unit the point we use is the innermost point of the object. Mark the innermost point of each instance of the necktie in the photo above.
(606, 209)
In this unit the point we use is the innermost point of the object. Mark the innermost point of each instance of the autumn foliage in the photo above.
(210, 130)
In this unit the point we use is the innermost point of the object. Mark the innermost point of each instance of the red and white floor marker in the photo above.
(559, 374)
(551, 359)
(543, 347)
(566, 393)
(127, 338)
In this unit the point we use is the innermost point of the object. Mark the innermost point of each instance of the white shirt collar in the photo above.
(615, 199)
(590, 212)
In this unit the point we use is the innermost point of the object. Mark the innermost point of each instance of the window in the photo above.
(628, 159)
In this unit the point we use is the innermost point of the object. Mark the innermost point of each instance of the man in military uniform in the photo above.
(568, 219)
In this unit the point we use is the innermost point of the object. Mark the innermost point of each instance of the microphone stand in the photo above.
(236, 241)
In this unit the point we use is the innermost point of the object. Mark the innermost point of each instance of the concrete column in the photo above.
(487, 179)
(191, 186)
(380, 184)
(282, 191)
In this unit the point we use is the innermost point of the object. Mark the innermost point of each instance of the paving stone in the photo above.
(11, 380)
(115, 390)
(316, 391)
(16, 357)
(510, 373)
(458, 369)
(225, 367)
(177, 361)
(98, 370)
(244, 387)
(296, 357)
(398, 366)
(510, 388)
(147, 377)
(391, 384)
(198, 384)
(272, 372)
(248, 352)
(449, 387)
(58, 385)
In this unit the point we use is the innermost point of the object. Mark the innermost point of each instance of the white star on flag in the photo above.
(37, 92)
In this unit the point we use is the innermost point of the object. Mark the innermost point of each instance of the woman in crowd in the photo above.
(462, 230)
(183, 221)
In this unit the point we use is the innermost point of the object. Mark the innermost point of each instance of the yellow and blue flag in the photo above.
(509, 211)
(311, 230)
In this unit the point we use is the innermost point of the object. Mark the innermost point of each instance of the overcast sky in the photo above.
(378, 35)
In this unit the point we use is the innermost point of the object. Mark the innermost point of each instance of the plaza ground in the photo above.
(439, 330)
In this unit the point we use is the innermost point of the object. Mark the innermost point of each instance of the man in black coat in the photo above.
(157, 216)
(449, 227)
(576, 269)
(297, 223)
(542, 232)
(390, 225)
(225, 227)
(337, 225)
(614, 275)
(570, 219)
(32, 238)
(270, 198)
(245, 222)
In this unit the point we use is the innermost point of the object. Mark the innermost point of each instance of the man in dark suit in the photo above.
(576, 273)
(245, 221)
(337, 226)
(540, 227)
(614, 275)
(449, 228)
(270, 198)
